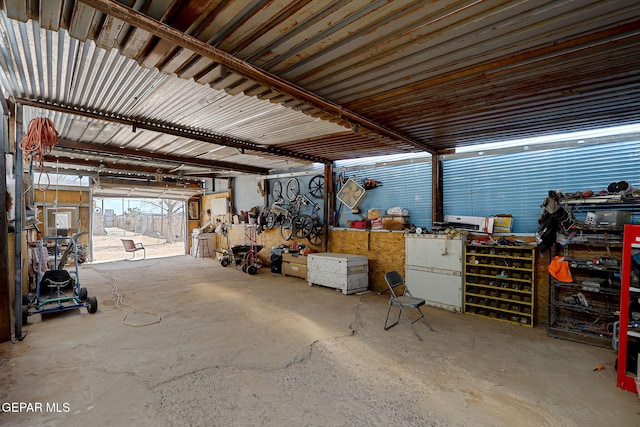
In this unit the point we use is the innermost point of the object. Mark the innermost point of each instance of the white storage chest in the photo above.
(347, 273)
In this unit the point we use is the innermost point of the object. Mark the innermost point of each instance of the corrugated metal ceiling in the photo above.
(326, 79)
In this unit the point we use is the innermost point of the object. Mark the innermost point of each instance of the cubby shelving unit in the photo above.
(499, 282)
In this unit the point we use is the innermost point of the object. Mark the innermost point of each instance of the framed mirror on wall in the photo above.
(193, 210)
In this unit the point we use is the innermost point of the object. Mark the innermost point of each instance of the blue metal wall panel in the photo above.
(246, 192)
(518, 183)
(406, 184)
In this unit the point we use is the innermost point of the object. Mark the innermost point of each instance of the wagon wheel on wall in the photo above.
(302, 226)
(315, 237)
(316, 186)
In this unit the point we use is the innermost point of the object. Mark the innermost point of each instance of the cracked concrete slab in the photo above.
(237, 350)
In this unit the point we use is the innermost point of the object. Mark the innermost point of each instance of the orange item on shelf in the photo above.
(559, 268)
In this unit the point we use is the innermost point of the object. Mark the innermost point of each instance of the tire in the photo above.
(271, 220)
(25, 314)
(316, 186)
(84, 293)
(315, 237)
(286, 229)
(224, 262)
(302, 226)
(293, 189)
(93, 304)
(252, 269)
(244, 268)
(276, 191)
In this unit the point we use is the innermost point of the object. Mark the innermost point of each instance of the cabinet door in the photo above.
(434, 251)
(437, 289)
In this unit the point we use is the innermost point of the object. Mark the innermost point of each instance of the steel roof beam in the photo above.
(245, 69)
(171, 129)
(117, 167)
(83, 147)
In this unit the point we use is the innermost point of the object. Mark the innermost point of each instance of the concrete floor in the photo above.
(239, 350)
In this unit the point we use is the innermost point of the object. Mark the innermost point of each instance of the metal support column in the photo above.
(19, 206)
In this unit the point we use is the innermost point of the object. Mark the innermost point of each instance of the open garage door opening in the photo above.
(157, 224)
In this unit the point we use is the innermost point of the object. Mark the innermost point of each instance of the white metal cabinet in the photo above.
(433, 269)
(347, 273)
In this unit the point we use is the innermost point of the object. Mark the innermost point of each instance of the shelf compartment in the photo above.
(487, 276)
(501, 251)
(586, 288)
(582, 309)
(581, 336)
(491, 313)
(526, 292)
(501, 267)
(500, 309)
(499, 298)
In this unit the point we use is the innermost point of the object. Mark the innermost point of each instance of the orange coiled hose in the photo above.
(40, 139)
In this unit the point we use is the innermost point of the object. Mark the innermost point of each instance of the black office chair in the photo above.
(403, 301)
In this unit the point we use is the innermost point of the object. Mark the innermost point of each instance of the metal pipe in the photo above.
(327, 205)
(5, 310)
(19, 209)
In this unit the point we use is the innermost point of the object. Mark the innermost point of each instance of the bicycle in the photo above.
(304, 226)
(291, 222)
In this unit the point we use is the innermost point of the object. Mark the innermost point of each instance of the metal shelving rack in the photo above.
(584, 310)
(629, 330)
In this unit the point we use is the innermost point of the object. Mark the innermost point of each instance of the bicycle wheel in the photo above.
(270, 221)
(315, 237)
(286, 229)
(293, 189)
(276, 190)
(302, 226)
(316, 186)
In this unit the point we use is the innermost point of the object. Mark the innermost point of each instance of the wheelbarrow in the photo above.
(237, 254)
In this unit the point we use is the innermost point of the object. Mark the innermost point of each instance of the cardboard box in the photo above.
(502, 224)
(294, 269)
(395, 222)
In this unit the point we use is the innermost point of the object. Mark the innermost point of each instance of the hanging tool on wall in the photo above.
(337, 187)
(370, 184)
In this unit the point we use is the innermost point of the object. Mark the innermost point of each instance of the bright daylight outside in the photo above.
(156, 223)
